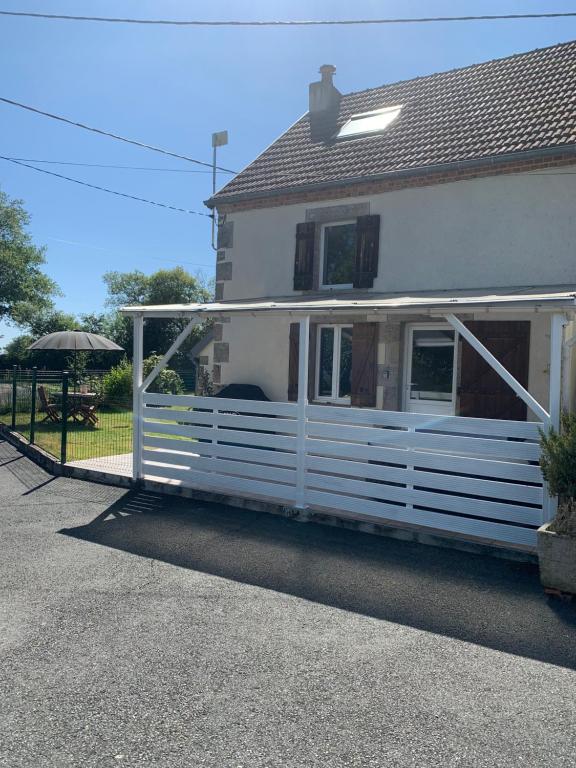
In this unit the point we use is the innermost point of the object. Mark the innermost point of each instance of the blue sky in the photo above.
(174, 87)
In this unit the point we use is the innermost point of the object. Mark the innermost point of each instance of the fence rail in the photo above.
(477, 477)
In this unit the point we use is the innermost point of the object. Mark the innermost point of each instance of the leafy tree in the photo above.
(42, 322)
(21, 279)
(16, 351)
(166, 286)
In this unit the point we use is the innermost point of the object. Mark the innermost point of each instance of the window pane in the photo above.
(369, 122)
(326, 360)
(432, 365)
(339, 250)
(344, 386)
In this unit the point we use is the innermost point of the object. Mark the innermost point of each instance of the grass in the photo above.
(111, 437)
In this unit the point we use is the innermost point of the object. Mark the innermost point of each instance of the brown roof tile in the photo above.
(524, 102)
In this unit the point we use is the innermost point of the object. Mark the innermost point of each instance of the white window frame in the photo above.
(331, 286)
(447, 407)
(333, 398)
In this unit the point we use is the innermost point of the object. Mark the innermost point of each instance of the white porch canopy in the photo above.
(344, 302)
(561, 304)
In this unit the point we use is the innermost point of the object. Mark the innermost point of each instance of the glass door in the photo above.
(430, 370)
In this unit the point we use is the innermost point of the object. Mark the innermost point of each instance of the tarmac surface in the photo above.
(141, 630)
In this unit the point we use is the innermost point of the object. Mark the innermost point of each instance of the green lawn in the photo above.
(112, 436)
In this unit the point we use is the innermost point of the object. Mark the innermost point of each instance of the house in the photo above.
(202, 356)
(400, 264)
(448, 186)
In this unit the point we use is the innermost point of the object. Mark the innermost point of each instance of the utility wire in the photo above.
(110, 135)
(104, 189)
(288, 23)
(102, 165)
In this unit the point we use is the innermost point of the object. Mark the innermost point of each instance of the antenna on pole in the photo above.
(219, 139)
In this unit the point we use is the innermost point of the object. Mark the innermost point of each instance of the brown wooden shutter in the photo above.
(367, 247)
(304, 258)
(482, 392)
(293, 361)
(364, 349)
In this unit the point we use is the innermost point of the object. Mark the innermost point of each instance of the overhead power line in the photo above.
(103, 165)
(290, 23)
(104, 189)
(110, 135)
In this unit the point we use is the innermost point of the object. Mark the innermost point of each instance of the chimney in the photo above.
(324, 105)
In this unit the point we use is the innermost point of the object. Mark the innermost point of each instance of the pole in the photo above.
(557, 324)
(214, 245)
(137, 399)
(33, 408)
(14, 395)
(64, 434)
(303, 352)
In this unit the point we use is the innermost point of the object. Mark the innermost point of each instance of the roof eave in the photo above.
(425, 170)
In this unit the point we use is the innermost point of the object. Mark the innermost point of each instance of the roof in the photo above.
(201, 344)
(359, 302)
(521, 103)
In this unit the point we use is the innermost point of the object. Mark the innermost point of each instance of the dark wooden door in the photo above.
(482, 392)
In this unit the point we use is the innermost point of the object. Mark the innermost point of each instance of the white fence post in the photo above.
(303, 351)
(137, 399)
(557, 323)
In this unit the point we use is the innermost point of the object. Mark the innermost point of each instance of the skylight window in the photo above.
(369, 122)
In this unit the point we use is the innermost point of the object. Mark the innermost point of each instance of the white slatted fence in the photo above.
(474, 477)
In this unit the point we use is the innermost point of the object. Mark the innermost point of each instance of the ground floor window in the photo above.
(334, 363)
(430, 370)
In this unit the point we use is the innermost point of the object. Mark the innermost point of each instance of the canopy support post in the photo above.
(303, 352)
(557, 323)
(137, 400)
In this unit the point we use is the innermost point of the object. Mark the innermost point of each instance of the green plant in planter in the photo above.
(558, 462)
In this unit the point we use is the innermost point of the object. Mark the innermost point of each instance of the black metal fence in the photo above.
(71, 420)
(74, 420)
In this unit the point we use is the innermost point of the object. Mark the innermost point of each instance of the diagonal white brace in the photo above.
(522, 393)
(167, 357)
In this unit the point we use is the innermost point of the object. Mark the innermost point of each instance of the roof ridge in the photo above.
(461, 69)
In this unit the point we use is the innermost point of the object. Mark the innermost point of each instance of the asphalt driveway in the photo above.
(139, 630)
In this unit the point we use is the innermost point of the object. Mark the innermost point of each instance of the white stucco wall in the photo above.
(515, 230)
(500, 232)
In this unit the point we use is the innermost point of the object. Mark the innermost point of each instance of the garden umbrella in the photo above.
(76, 341)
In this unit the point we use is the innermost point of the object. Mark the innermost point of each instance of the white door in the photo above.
(430, 369)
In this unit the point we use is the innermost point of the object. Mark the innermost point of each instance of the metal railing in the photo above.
(69, 420)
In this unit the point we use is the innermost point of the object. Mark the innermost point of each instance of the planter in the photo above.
(557, 558)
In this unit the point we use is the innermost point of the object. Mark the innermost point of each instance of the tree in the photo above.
(44, 321)
(166, 286)
(21, 279)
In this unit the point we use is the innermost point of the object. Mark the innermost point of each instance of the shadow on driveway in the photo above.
(494, 603)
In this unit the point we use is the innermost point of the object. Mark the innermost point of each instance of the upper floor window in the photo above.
(369, 122)
(341, 254)
(338, 248)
